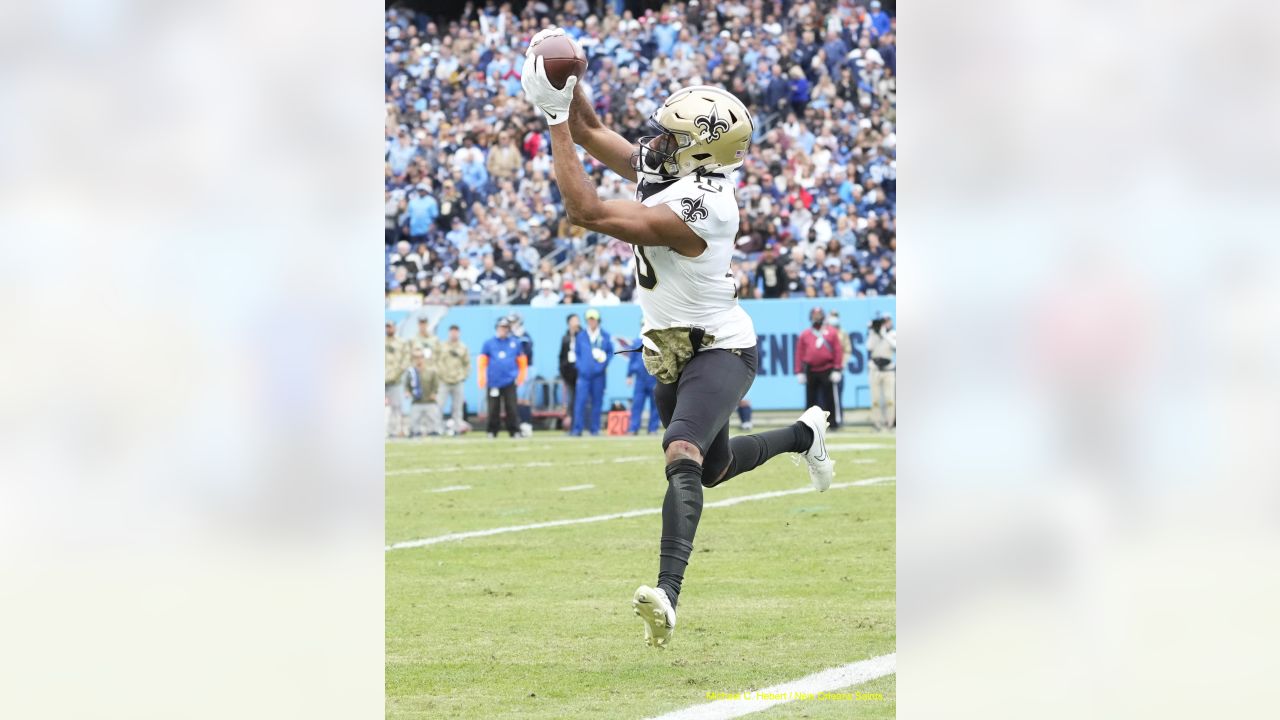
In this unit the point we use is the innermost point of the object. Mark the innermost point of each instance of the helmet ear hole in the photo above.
(701, 156)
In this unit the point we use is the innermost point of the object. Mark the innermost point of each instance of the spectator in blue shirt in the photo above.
(490, 281)
(593, 350)
(459, 235)
(799, 90)
(474, 174)
(665, 35)
(422, 211)
(847, 285)
(401, 152)
(881, 22)
(835, 51)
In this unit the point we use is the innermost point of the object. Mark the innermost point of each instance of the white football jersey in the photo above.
(679, 291)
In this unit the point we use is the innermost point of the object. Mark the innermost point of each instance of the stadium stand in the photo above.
(473, 214)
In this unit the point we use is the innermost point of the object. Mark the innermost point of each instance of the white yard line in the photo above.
(452, 488)
(751, 701)
(508, 466)
(423, 542)
(625, 459)
(573, 488)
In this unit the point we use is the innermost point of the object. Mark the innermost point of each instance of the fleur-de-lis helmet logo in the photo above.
(712, 125)
(694, 210)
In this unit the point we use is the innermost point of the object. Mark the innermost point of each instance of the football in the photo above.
(563, 58)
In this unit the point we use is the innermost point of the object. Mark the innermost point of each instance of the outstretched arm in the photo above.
(626, 220)
(604, 144)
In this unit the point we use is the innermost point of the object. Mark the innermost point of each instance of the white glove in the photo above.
(800, 378)
(834, 377)
(598, 354)
(552, 102)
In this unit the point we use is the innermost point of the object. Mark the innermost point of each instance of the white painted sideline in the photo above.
(452, 488)
(573, 488)
(423, 542)
(825, 681)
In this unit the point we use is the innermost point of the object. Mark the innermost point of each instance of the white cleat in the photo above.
(821, 467)
(654, 608)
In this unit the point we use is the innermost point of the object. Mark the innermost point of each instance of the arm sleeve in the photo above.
(799, 354)
(839, 347)
(483, 364)
(522, 362)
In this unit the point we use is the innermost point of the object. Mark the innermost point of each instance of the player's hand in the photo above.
(538, 89)
(834, 377)
(630, 380)
(800, 378)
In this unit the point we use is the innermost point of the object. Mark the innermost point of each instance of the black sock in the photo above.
(681, 511)
(749, 452)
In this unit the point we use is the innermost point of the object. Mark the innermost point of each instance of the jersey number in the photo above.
(645, 276)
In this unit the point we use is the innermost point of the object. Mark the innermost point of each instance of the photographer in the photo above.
(882, 343)
(819, 357)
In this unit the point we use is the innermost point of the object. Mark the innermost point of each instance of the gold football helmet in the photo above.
(700, 128)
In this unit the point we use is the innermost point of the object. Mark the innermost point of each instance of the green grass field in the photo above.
(538, 623)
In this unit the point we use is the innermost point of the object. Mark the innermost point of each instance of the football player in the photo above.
(698, 341)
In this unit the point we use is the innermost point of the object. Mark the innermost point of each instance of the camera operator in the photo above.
(882, 344)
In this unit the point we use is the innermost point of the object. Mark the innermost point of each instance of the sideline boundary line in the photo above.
(423, 542)
(825, 681)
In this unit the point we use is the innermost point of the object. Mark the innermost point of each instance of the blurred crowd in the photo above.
(473, 214)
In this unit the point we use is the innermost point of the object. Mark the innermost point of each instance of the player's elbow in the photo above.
(587, 217)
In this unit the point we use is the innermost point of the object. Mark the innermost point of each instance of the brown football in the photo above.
(561, 59)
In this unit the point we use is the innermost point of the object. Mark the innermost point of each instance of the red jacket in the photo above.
(819, 351)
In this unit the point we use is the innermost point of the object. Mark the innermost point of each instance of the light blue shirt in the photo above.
(423, 211)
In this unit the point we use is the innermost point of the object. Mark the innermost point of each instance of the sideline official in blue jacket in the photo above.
(594, 350)
(642, 385)
(503, 365)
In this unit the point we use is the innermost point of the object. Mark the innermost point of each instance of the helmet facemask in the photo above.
(655, 158)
